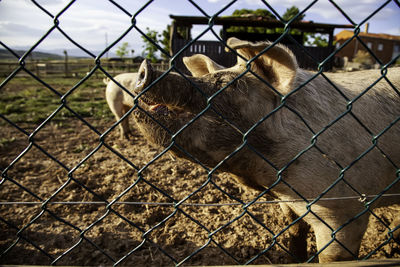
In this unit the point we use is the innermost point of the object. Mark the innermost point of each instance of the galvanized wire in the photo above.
(141, 178)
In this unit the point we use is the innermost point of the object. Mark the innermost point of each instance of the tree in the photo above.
(165, 42)
(288, 15)
(308, 38)
(122, 50)
(316, 39)
(150, 46)
(258, 12)
(182, 32)
(291, 12)
(251, 13)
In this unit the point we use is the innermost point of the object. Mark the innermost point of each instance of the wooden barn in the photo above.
(308, 57)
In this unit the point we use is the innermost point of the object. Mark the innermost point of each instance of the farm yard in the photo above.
(72, 194)
(289, 116)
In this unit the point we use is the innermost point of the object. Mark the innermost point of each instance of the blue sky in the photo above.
(88, 22)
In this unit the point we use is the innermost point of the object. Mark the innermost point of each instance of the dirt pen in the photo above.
(73, 193)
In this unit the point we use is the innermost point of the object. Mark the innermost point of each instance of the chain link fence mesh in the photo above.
(73, 194)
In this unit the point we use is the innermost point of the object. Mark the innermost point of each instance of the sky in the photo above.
(94, 24)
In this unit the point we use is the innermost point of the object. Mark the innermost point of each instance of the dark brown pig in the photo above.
(322, 140)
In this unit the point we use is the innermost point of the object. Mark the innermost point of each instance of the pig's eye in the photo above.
(221, 83)
(140, 79)
(141, 76)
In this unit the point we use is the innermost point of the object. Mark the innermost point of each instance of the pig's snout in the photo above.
(172, 89)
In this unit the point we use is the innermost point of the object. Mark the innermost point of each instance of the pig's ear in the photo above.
(199, 65)
(277, 65)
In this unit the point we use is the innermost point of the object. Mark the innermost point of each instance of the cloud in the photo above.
(217, 1)
(7, 27)
(11, 34)
(394, 31)
(356, 10)
(88, 22)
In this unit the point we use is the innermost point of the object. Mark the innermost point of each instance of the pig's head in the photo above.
(230, 100)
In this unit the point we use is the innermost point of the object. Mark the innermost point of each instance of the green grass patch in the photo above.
(26, 100)
(6, 141)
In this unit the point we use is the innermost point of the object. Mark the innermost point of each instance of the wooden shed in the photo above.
(307, 56)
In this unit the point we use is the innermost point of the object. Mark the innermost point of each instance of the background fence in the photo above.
(73, 193)
(72, 69)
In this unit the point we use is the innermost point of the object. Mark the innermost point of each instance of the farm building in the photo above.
(307, 56)
(384, 46)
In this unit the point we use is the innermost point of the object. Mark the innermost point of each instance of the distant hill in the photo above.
(4, 54)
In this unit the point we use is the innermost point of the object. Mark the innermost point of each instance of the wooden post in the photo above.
(223, 35)
(66, 71)
(37, 68)
(330, 48)
(172, 38)
(330, 42)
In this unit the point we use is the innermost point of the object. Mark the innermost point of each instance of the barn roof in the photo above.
(256, 21)
(346, 34)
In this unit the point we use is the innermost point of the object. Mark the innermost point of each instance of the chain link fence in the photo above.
(73, 193)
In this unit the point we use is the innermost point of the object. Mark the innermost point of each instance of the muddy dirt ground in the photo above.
(69, 163)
